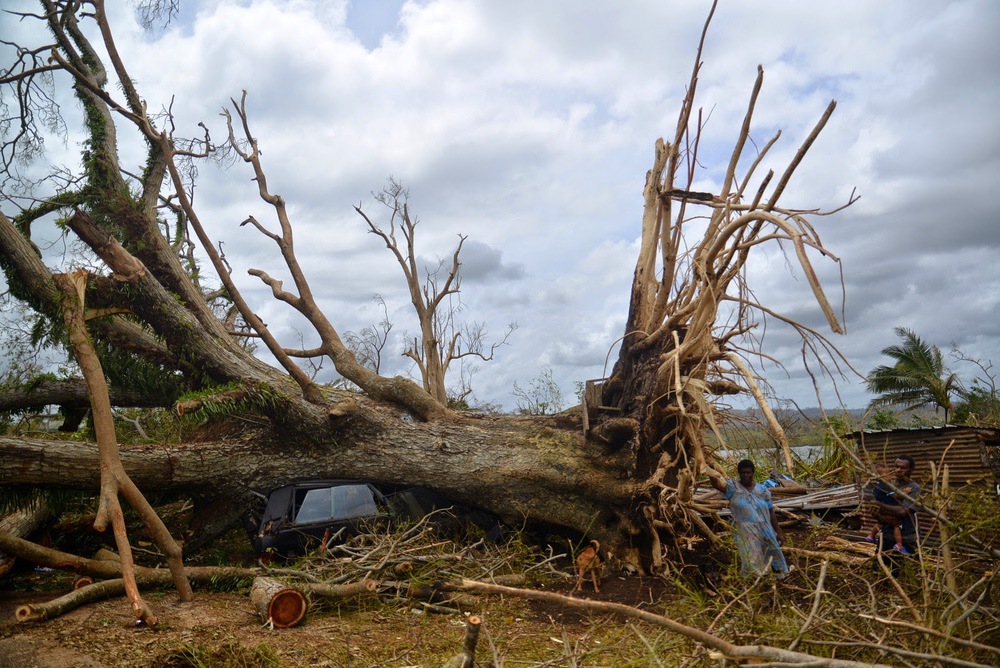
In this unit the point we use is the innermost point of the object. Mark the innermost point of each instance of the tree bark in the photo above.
(277, 603)
(22, 523)
(71, 392)
(629, 485)
(114, 480)
(519, 468)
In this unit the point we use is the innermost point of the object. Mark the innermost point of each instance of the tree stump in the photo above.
(278, 603)
(467, 657)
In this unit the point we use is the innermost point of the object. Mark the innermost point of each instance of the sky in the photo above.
(528, 127)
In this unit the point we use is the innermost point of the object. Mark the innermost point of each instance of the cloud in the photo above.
(481, 263)
(529, 127)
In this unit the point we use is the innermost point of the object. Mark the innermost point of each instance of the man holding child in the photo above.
(896, 511)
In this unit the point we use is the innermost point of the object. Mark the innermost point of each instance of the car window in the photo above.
(334, 503)
(353, 501)
(314, 505)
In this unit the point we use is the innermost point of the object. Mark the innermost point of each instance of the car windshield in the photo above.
(342, 502)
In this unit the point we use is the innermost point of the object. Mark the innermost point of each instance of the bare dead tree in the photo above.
(435, 300)
(541, 397)
(369, 344)
(397, 390)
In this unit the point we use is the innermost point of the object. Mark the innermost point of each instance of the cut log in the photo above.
(339, 592)
(22, 523)
(104, 554)
(277, 603)
(96, 591)
(472, 635)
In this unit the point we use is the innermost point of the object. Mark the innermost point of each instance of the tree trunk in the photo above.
(70, 392)
(22, 523)
(114, 479)
(530, 469)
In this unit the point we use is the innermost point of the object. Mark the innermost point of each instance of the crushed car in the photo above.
(296, 516)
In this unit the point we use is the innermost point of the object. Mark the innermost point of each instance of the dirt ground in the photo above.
(223, 629)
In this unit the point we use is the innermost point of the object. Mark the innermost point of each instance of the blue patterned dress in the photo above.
(756, 542)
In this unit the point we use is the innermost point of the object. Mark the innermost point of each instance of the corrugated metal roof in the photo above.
(962, 449)
(965, 450)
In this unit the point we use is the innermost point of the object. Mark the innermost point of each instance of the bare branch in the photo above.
(441, 339)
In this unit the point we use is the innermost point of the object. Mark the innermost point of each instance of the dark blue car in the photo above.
(304, 512)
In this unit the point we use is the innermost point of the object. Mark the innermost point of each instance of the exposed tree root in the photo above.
(691, 311)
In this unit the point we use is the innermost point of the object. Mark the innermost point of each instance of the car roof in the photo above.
(321, 483)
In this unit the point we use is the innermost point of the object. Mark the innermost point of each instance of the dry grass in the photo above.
(858, 614)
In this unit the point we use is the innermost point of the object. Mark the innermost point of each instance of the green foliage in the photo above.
(48, 332)
(234, 399)
(833, 463)
(127, 371)
(149, 425)
(22, 370)
(973, 511)
(979, 407)
(13, 499)
(881, 419)
(917, 378)
(542, 397)
(369, 344)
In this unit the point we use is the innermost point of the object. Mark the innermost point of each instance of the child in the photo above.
(885, 520)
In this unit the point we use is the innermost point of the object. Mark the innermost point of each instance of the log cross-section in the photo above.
(277, 603)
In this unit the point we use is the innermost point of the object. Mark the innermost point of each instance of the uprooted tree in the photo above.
(628, 482)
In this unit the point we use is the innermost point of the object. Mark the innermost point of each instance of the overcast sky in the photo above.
(529, 126)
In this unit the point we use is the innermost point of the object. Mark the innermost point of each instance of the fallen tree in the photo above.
(628, 483)
(522, 469)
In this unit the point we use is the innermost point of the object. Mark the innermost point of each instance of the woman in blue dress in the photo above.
(758, 535)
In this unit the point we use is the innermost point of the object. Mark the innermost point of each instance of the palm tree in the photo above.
(916, 379)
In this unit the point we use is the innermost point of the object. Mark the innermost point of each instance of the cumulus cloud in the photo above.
(482, 263)
(529, 126)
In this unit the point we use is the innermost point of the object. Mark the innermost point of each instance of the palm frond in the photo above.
(916, 379)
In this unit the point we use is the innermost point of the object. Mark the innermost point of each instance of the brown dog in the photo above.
(589, 561)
